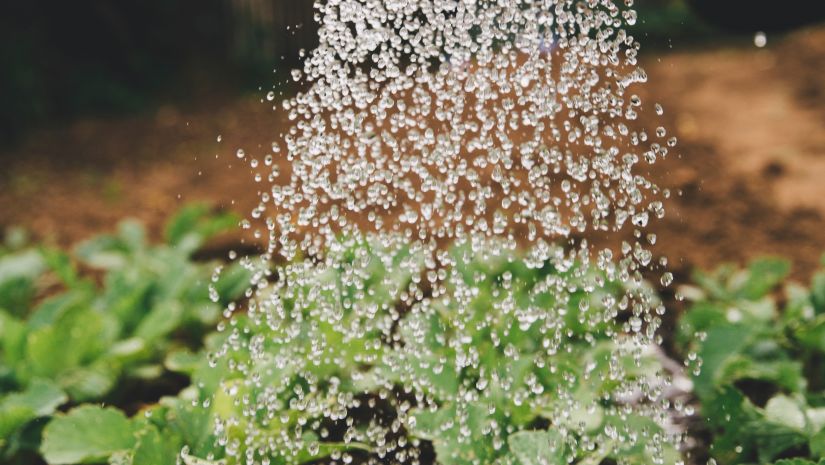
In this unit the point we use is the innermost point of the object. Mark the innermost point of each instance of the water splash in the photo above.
(431, 207)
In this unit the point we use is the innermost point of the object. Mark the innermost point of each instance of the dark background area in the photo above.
(113, 108)
(63, 59)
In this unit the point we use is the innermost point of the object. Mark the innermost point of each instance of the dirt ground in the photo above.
(750, 164)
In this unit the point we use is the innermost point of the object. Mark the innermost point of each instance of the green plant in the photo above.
(209, 421)
(307, 388)
(65, 339)
(761, 384)
(520, 372)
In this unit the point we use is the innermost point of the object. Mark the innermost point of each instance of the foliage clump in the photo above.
(761, 350)
(100, 335)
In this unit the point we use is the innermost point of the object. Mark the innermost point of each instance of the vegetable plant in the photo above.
(761, 385)
(294, 388)
(68, 337)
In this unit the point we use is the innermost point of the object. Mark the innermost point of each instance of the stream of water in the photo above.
(457, 225)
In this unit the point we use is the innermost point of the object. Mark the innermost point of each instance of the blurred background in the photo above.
(117, 108)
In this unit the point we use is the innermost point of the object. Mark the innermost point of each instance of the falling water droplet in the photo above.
(760, 39)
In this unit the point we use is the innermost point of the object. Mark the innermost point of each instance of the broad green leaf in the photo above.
(193, 425)
(74, 339)
(721, 343)
(154, 448)
(817, 444)
(232, 282)
(729, 415)
(12, 417)
(635, 442)
(105, 252)
(61, 264)
(538, 447)
(764, 275)
(52, 309)
(42, 397)
(161, 320)
(815, 419)
(195, 224)
(185, 222)
(785, 411)
(39, 399)
(12, 340)
(783, 372)
(90, 382)
(87, 434)
(132, 234)
(452, 447)
(585, 415)
(27, 264)
(17, 280)
(811, 334)
(183, 361)
(772, 439)
(127, 296)
(15, 238)
(129, 350)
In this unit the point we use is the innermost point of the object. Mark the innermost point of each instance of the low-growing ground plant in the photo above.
(464, 380)
(69, 337)
(761, 348)
(297, 385)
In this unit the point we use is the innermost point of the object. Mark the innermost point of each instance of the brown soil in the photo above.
(750, 164)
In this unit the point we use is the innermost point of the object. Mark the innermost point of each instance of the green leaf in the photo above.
(132, 234)
(815, 419)
(721, 343)
(62, 265)
(27, 264)
(772, 439)
(193, 425)
(152, 448)
(785, 411)
(105, 252)
(195, 224)
(90, 382)
(538, 447)
(729, 415)
(191, 459)
(161, 320)
(41, 398)
(17, 275)
(183, 361)
(232, 282)
(811, 334)
(323, 449)
(451, 445)
(798, 461)
(52, 309)
(15, 238)
(818, 291)
(73, 339)
(764, 275)
(817, 444)
(87, 434)
(12, 340)
(12, 418)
